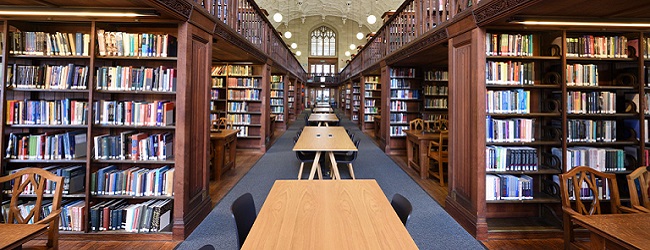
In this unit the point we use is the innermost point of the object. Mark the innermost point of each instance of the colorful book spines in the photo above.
(49, 44)
(129, 78)
(68, 76)
(44, 112)
(131, 113)
(135, 44)
(133, 181)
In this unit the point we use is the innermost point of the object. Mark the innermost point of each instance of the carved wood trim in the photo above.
(497, 8)
(181, 7)
(227, 35)
(427, 42)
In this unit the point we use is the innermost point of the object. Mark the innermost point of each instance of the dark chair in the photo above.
(307, 157)
(348, 158)
(207, 247)
(402, 207)
(243, 210)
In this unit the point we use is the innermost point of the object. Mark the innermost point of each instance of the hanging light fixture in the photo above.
(277, 17)
(359, 35)
(352, 46)
(287, 34)
(298, 53)
(347, 53)
(294, 45)
(371, 18)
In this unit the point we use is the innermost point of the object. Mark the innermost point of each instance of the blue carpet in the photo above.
(429, 225)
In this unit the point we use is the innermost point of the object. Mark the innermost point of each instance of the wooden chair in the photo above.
(37, 178)
(438, 125)
(416, 124)
(581, 189)
(439, 153)
(221, 123)
(638, 182)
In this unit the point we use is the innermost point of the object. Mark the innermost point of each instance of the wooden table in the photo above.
(224, 154)
(324, 139)
(320, 118)
(617, 231)
(417, 150)
(14, 235)
(323, 105)
(346, 214)
(323, 110)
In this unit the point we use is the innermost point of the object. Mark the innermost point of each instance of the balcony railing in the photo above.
(323, 78)
(246, 19)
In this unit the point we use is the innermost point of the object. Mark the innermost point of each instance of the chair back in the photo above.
(438, 125)
(32, 181)
(638, 183)
(243, 210)
(416, 124)
(221, 123)
(402, 207)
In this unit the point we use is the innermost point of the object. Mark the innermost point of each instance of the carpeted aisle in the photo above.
(429, 225)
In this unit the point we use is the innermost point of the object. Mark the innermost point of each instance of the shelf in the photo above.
(49, 90)
(537, 198)
(249, 137)
(537, 58)
(243, 100)
(79, 195)
(602, 144)
(533, 143)
(410, 112)
(48, 57)
(436, 95)
(131, 92)
(60, 161)
(238, 87)
(148, 197)
(134, 162)
(243, 112)
(617, 115)
(520, 86)
(433, 108)
(403, 99)
(632, 88)
(134, 127)
(538, 172)
(247, 125)
(525, 115)
(570, 58)
(137, 58)
(48, 126)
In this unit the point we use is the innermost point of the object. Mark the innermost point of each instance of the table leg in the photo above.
(423, 152)
(327, 124)
(335, 167)
(314, 166)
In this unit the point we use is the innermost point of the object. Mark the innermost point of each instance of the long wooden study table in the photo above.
(223, 144)
(15, 235)
(324, 140)
(617, 231)
(322, 118)
(417, 148)
(341, 214)
(323, 110)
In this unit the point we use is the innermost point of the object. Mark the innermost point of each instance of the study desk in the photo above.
(14, 235)
(320, 118)
(617, 231)
(345, 214)
(324, 139)
(323, 110)
(224, 153)
(417, 150)
(323, 105)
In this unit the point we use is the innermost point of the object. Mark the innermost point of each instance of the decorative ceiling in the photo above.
(355, 10)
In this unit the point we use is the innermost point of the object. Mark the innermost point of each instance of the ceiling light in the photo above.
(294, 45)
(347, 53)
(83, 12)
(298, 53)
(277, 17)
(359, 35)
(352, 46)
(287, 34)
(372, 19)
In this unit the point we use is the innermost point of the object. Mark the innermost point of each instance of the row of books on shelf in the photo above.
(371, 86)
(579, 102)
(214, 94)
(68, 76)
(508, 187)
(50, 44)
(134, 181)
(585, 192)
(135, 146)
(239, 119)
(371, 79)
(515, 101)
(245, 82)
(290, 99)
(279, 117)
(24, 208)
(509, 73)
(509, 44)
(130, 78)
(46, 112)
(509, 130)
(244, 94)
(581, 75)
(277, 109)
(369, 118)
(398, 130)
(46, 146)
(135, 44)
(133, 113)
(402, 72)
(355, 117)
(243, 130)
(74, 180)
(238, 70)
(217, 82)
(398, 106)
(237, 107)
(398, 117)
(435, 103)
(582, 130)
(405, 93)
(370, 103)
(370, 110)
(277, 94)
(397, 83)
(601, 159)
(597, 46)
(436, 75)
(499, 158)
(277, 79)
(436, 90)
(118, 214)
(276, 85)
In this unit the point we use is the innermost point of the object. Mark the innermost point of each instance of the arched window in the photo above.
(323, 42)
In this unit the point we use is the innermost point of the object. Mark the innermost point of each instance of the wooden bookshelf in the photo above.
(292, 95)
(403, 92)
(278, 100)
(371, 101)
(140, 81)
(435, 94)
(356, 101)
(218, 98)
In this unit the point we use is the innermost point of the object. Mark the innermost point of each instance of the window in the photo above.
(323, 42)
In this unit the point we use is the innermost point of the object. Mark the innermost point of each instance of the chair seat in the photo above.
(436, 155)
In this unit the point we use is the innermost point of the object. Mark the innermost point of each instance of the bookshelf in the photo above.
(371, 101)
(277, 100)
(218, 99)
(291, 100)
(348, 99)
(85, 97)
(404, 103)
(245, 92)
(356, 101)
(435, 94)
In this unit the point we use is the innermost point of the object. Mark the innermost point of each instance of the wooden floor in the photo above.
(245, 160)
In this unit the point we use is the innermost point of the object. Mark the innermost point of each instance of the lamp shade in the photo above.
(298, 53)
(352, 46)
(287, 34)
(347, 53)
(277, 17)
(372, 19)
(294, 45)
(359, 35)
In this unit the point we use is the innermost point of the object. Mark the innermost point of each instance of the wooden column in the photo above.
(385, 107)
